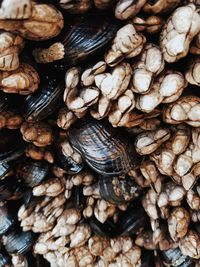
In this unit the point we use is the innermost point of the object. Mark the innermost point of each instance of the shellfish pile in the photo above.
(99, 133)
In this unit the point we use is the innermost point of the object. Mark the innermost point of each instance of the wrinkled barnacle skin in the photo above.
(127, 44)
(103, 4)
(40, 133)
(190, 245)
(112, 85)
(10, 119)
(166, 88)
(151, 24)
(78, 100)
(176, 37)
(192, 74)
(24, 80)
(160, 6)
(16, 9)
(92, 193)
(11, 46)
(77, 6)
(44, 23)
(184, 110)
(148, 142)
(128, 8)
(149, 65)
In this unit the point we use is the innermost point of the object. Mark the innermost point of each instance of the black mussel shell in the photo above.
(5, 259)
(118, 191)
(133, 220)
(147, 259)
(19, 242)
(3, 101)
(107, 229)
(174, 257)
(11, 145)
(36, 260)
(5, 170)
(67, 163)
(46, 99)
(8, 187)
(87, 35)
(103, 148)
(7, 219)
(33, 172)
(77, 199)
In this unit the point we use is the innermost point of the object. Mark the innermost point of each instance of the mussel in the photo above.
(118, 191)
(65, 161)
(7, 219)
(147, 259)
(133, 220)
(17, 241)
(11, 188)
(33, 172)
(11, 145)
(3, 101)
(103, 148)
(5, 260)
(46, 99)
(107, 229)
(5, 170)
(174, 257)
(81, 38)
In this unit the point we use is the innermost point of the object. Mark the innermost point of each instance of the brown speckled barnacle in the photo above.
(178, 32)
(11, 46)
(193, 71)
(160, 6)
(128, 8)
(152, 24)
(185, 110)
(39, 133)
(24, 80)
(44, 23)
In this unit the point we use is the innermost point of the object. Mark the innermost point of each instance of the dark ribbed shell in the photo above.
(174, 257)
(4, 259)
(6, 219)
(102, 147)
(45, 101)
(18, 241)
(87, 35)
(32, 172)
(124, 187)
(11, 145)
(3, 101)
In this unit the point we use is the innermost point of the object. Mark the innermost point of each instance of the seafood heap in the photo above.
(99, 133)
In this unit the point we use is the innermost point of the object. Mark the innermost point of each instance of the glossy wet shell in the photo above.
(133, 219)
(67, 163)
(32, 172)
(126, 190)
(11, 145)
(19, 242)
(103, 148)
(3, 101)
(6, 219)
(87, 35)
(174, 257)
(4, 259)
(45, 101)
(8, 187)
